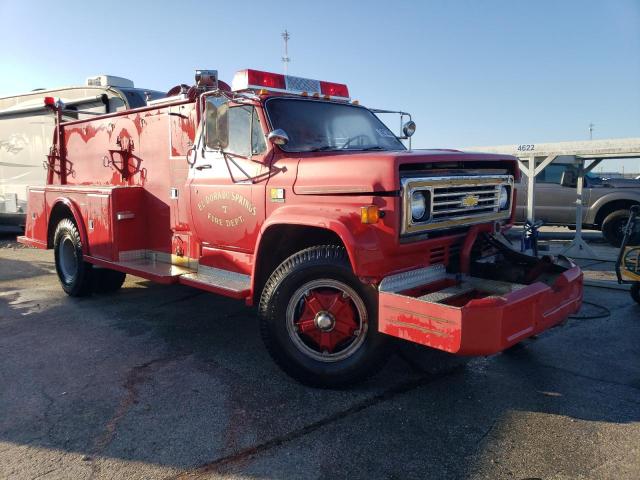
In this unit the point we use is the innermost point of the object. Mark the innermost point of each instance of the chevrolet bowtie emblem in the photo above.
(470, 201)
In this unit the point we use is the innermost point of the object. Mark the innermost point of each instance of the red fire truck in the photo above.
(283, 192)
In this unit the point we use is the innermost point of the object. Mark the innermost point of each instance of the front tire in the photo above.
(74, 273)
(319, 322)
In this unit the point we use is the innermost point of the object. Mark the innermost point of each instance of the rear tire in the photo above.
(613, 226)
(106, 280)
(635, 291)
(319, 322)
(74, 273)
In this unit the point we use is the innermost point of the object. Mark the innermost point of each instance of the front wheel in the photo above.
(74, 273)
(319, 322)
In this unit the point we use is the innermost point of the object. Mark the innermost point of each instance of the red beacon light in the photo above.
(49, 102)
(334, 89)
(275, 82)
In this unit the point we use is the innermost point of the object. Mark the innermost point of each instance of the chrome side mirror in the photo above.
(278, 137)
(409, 128)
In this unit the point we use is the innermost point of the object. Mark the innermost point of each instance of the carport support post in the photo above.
(531, 171)
(578, 247)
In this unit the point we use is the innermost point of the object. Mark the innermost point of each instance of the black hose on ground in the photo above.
(605, 312)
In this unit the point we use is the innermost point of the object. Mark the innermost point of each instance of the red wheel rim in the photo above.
(326, 320)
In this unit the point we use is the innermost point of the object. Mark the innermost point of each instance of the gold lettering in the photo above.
(214, 219)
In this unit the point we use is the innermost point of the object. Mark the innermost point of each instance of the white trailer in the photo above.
(26, 132)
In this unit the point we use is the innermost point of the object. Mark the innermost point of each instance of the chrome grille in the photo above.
(449, 200)
(456, 201)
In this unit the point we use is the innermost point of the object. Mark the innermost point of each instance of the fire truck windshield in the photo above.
(314, 125)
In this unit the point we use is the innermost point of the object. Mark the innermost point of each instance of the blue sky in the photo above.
(471, 72)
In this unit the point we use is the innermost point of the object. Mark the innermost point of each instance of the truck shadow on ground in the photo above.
(178, 378)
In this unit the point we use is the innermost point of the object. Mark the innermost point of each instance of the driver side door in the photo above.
(228, 182)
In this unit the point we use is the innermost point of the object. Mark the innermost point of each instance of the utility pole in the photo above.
(285, 59)
(591, 125)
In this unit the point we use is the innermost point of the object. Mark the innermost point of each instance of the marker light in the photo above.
(369, 214)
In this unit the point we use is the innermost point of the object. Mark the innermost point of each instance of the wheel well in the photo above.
(59, 211)
(607, 208)
(280, 242)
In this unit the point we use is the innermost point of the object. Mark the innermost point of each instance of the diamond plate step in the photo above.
(219, 279)
(446, 293)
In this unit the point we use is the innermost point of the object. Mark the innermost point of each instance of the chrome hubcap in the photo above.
(325, 321)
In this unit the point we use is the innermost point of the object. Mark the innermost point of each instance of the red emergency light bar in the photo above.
(276, 82)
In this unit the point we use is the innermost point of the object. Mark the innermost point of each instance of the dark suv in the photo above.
(606, 201)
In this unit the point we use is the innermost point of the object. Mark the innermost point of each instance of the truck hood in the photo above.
(377, 172)
(620, 183)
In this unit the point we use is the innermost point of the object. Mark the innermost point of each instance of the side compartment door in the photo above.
(181, 141)
(228, 179)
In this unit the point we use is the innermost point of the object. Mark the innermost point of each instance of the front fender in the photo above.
(302, 216)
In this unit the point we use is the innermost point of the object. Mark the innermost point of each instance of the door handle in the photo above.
(206, 166)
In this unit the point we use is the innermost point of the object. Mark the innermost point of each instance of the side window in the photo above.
(239, 130)
(258, 144)
(553, 173)
(234, 129)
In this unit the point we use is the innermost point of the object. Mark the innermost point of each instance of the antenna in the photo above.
(591, 125)
(285, 60)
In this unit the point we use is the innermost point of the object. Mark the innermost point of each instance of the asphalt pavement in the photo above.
(173, 383)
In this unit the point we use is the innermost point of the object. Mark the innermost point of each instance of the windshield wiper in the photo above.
(375, 147)
(324, 148)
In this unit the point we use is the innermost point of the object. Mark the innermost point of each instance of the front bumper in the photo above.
(488, 322)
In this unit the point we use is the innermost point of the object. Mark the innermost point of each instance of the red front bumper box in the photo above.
(468, 315)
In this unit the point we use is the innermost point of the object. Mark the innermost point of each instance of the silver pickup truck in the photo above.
(606, 201)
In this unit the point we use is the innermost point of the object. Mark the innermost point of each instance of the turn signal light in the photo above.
(370, 214)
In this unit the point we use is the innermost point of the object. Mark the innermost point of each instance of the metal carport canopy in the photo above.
(535, 157)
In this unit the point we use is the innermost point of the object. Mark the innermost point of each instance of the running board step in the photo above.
(232, 284)
(150, 268)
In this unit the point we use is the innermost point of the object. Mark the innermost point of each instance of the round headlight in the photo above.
(503, 200)
(418, 205)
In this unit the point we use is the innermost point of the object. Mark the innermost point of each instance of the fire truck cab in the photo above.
(281, 191)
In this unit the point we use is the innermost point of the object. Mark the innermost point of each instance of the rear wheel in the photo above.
(74, 273)
(613, 227)
(635, 291)
(106, 280)
(319, 322)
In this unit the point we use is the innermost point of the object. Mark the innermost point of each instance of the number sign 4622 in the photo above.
(526, 148)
